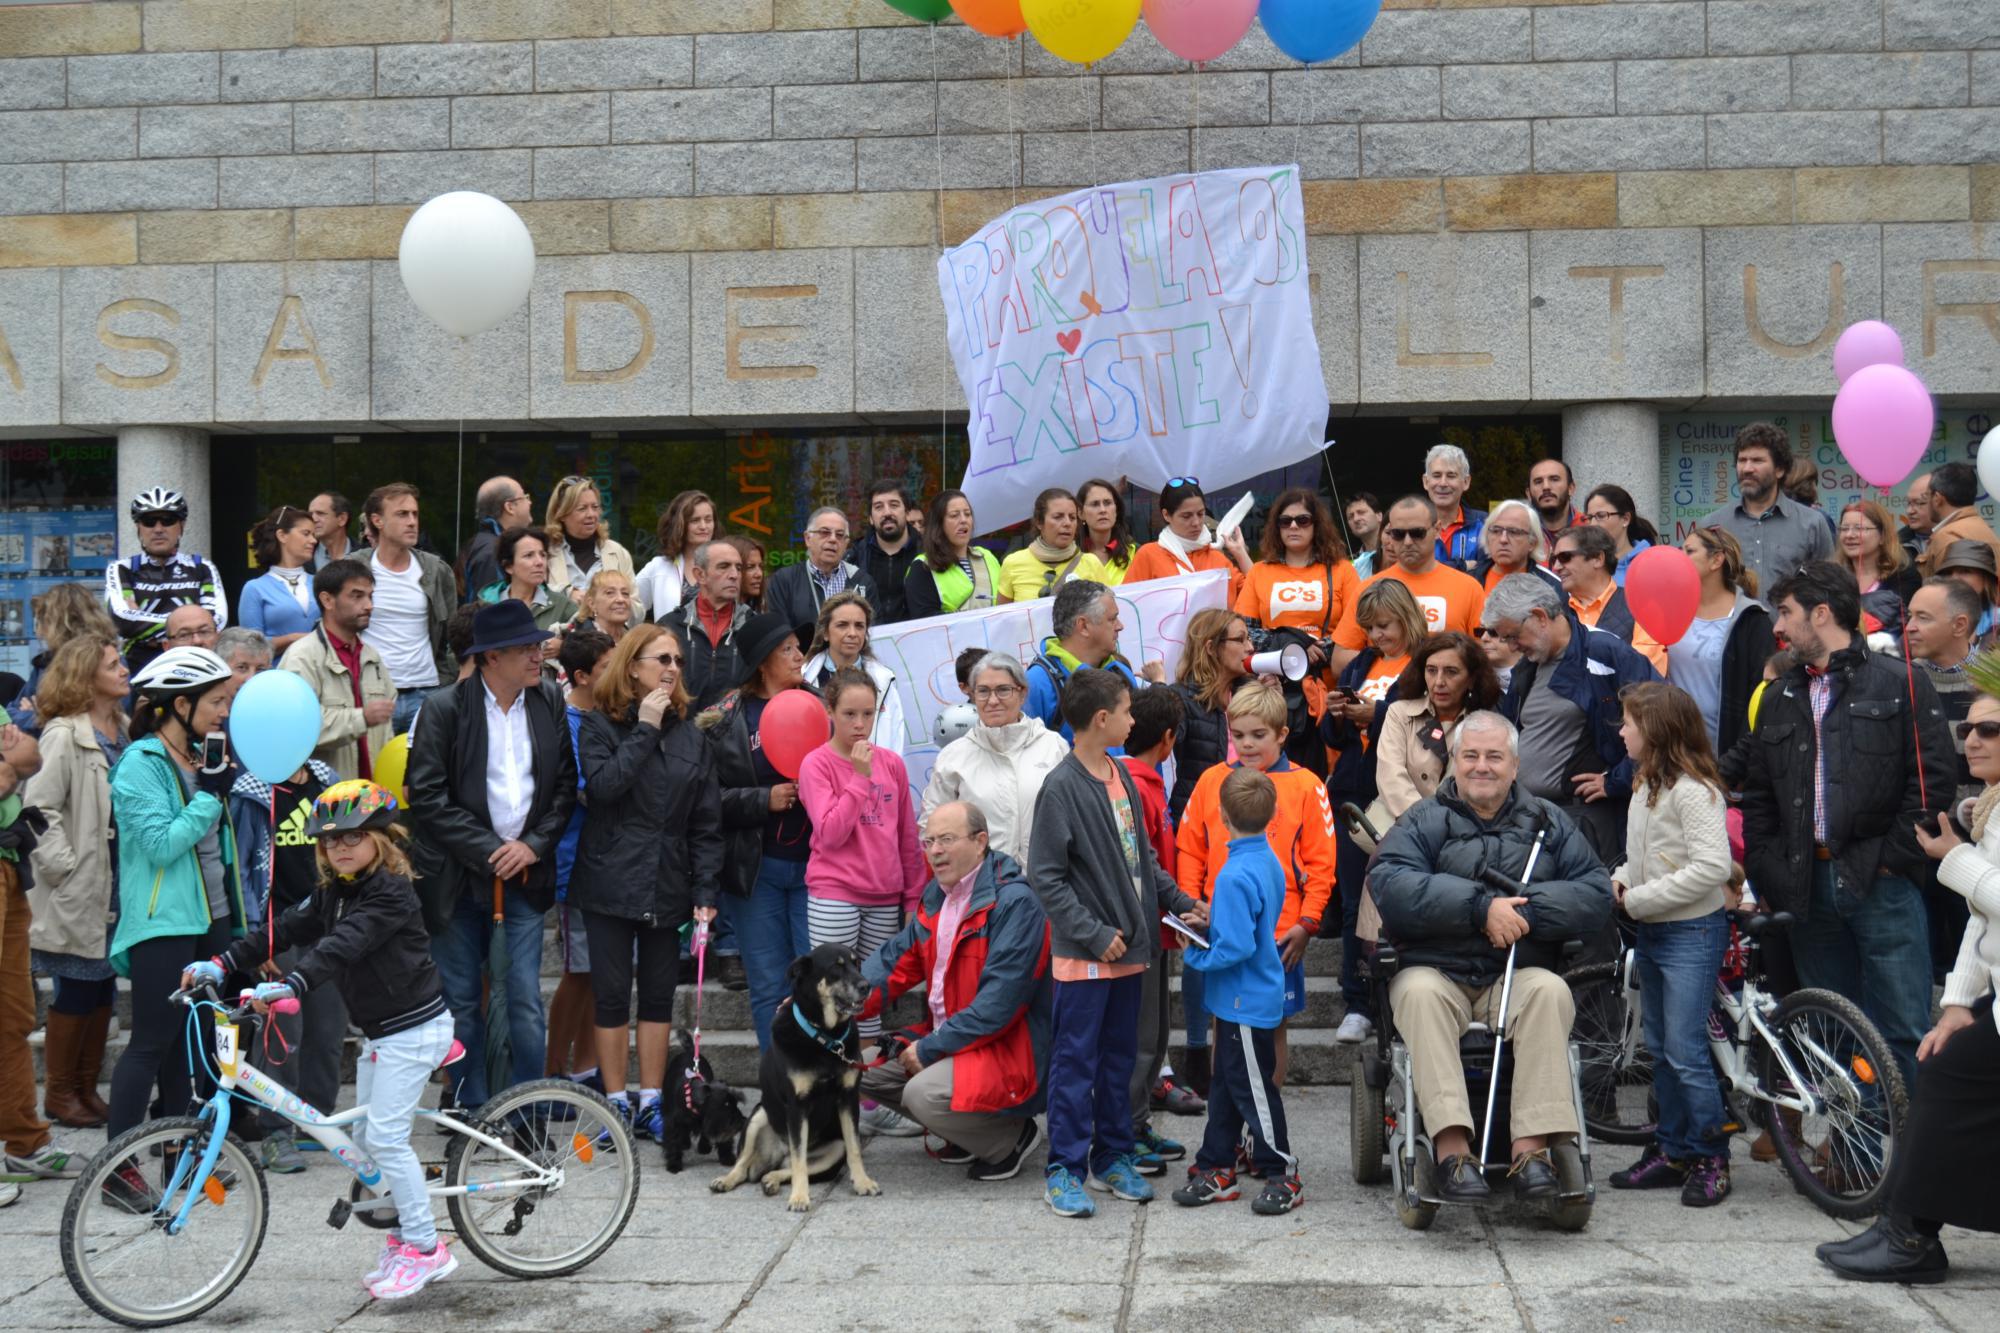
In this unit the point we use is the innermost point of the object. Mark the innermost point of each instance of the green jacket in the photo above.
(159, 872)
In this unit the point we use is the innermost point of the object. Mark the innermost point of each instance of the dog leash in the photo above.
(693, 1074)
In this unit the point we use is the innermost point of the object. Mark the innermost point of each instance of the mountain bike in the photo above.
(167, 1219)
(1810, 1067)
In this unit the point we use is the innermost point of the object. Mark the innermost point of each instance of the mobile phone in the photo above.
(214, 752)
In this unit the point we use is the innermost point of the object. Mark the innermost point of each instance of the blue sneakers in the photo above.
(1122, 1181)
(1066, 1197)
(651, 1122)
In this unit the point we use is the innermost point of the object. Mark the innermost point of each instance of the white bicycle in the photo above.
(168, 1218)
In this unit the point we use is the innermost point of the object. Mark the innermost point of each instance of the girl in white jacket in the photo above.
(1671, 883)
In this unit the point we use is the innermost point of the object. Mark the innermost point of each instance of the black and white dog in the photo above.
(811, 1083)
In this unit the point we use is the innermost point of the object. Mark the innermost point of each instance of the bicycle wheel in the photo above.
(1616, 1068)
(544, 1231)
(116, 1247)
(1838, 1154)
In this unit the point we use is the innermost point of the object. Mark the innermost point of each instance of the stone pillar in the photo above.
(1618, 443)
(173, 456)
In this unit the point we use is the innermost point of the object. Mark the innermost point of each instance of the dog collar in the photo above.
(835, 1046)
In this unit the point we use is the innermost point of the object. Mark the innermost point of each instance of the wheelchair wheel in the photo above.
(1569, 1213)
(1616, 1067)
(1839, 1155)
(1422, 1182)
(1367, 1133)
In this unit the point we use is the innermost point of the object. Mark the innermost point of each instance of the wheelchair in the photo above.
(1385, 1121)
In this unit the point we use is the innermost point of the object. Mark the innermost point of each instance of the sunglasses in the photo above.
(665, 659)
(1183, 481)
(158, 520)
(1295, 520)
(1987, 731)
(1406, 534)
(1564, 557)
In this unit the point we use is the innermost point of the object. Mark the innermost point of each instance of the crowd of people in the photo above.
(585, 743)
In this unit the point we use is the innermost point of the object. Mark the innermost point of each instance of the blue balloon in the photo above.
(274, 724)
(1316, 30)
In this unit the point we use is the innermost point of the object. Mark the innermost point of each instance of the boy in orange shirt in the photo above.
(1300, 834)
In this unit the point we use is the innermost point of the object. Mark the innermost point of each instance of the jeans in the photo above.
(1677, 962)
(389, 1080)
(1096, 1043)
(771, 927)
(407, 704)
(1876, 952)
(460, 951)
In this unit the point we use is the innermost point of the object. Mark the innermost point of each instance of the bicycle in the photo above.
(1811, 1067)
(550, 1152)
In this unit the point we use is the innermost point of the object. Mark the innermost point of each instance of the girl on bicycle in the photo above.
(1671, 883)
(363, 930)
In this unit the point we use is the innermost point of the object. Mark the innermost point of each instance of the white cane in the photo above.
(1500, 1019)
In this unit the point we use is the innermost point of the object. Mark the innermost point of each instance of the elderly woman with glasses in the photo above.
(1002, 762)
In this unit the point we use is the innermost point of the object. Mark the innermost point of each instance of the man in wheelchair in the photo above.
(1445, 885)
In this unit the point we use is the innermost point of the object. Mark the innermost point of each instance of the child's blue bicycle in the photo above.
(168, 1218)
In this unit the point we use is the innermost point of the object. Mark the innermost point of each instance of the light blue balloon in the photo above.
(1316, 30)
(274, 724)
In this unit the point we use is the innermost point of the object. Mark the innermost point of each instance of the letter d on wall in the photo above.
(128, 342)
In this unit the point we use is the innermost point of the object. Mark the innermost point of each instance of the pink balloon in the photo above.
(1664, 592)
(1199, 30)
(1869, 343)
(1882, 420)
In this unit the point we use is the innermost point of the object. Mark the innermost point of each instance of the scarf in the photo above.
(1052, 555)
(1181, 549)
(296, 580)
(1982, 810)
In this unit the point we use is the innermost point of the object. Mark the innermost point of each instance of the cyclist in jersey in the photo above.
(141, 590)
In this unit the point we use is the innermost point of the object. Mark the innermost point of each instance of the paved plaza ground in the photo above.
(936, 1252)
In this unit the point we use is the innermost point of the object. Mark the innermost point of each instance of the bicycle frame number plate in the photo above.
(225, 1048)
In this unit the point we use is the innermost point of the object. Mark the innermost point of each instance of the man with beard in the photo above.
(1551, 489)
(356, 696)
(1778, 534)
(887, 550)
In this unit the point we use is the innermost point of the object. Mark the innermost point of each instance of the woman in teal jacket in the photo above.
(179, 895)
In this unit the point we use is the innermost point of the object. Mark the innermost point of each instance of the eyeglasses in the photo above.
(827, 532)
(1406, 534)
(1988, 731)
(943, 842)
(1499, 531)
(1602, 515)
(666, 659)
(986, 693)
(1295, 520)
(347, 838)
(157, 520)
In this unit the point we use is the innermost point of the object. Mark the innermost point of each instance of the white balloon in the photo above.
(1989, 463)
(467, 261)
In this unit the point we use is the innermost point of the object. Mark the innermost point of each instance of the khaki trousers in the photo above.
(1432, 1013)
(926, 1099)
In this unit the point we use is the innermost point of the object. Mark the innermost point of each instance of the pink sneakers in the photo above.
(410, 1270)
(390, 1244)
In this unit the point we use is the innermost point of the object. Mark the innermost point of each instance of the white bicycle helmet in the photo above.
(160, 500)
(179, 670)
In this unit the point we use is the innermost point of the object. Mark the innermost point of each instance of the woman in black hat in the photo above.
(767, 834)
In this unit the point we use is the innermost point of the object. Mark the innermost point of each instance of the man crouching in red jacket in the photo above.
(973, 1075)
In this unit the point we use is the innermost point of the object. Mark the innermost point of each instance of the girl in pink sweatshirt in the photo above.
(865, 869)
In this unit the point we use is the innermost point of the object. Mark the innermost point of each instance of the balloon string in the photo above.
(944, 351)
(1197, 116)
(1008, 49)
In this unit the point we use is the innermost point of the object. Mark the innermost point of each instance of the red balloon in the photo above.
(794, 725)
(1664, 591)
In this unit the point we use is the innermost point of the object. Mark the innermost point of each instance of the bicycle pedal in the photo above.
(342, 1210)
(433, 1171)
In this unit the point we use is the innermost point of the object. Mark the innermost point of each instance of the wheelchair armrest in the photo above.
(1384, 962)
(1572, 950)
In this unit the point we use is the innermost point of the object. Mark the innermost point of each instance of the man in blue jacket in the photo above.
(1086, 635)
(1564, 698)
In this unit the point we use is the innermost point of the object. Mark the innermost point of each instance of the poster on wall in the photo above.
(39, 550)
(1150, 329)
(1698, 461)
(923, 653)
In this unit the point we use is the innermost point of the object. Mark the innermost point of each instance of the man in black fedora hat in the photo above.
(492, 780)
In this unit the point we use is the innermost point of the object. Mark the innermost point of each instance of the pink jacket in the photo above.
(864, 838)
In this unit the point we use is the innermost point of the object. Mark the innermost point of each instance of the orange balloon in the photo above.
(995, 18)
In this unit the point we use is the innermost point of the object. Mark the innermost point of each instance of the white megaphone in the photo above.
(1288, 661)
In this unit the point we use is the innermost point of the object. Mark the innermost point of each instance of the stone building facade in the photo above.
(1600, 210)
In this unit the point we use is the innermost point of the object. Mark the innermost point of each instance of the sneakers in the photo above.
(593, 1080)
(390, 1244)
(953, 1155)
(1121, 1180)
(1174, 1099)
(1207, 1184)
(1354, 1029)
(1153, 1150)
(1281, 1195)
(1653, 1171)
(281, 1156)
(729, 967)
(1010, 1166)
(651, 1122)
(1066, 1197)
(50, 1163)
(622, 1105)
(128, 1190)
(889, 1123)
(10, 1194)
(411, 1270)
(1707, 1182)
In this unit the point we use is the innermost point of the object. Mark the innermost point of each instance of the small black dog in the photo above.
(811, 1084)
(700, 1109)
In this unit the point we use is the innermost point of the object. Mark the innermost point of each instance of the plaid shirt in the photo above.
(829, 584)
(1819, 693)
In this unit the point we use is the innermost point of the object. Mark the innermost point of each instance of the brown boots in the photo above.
(73, 1055)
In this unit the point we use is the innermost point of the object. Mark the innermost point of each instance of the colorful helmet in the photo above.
(354, 804)
(181, 670)
(160, 500)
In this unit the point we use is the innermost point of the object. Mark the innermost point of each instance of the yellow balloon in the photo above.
(1757, 702)
(1081, 31)
(389, 767)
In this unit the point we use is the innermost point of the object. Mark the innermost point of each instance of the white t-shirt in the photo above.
(400, 629)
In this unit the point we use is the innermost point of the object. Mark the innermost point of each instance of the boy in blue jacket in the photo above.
(1246, 993)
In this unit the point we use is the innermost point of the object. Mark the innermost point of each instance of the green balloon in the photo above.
(930, 11)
